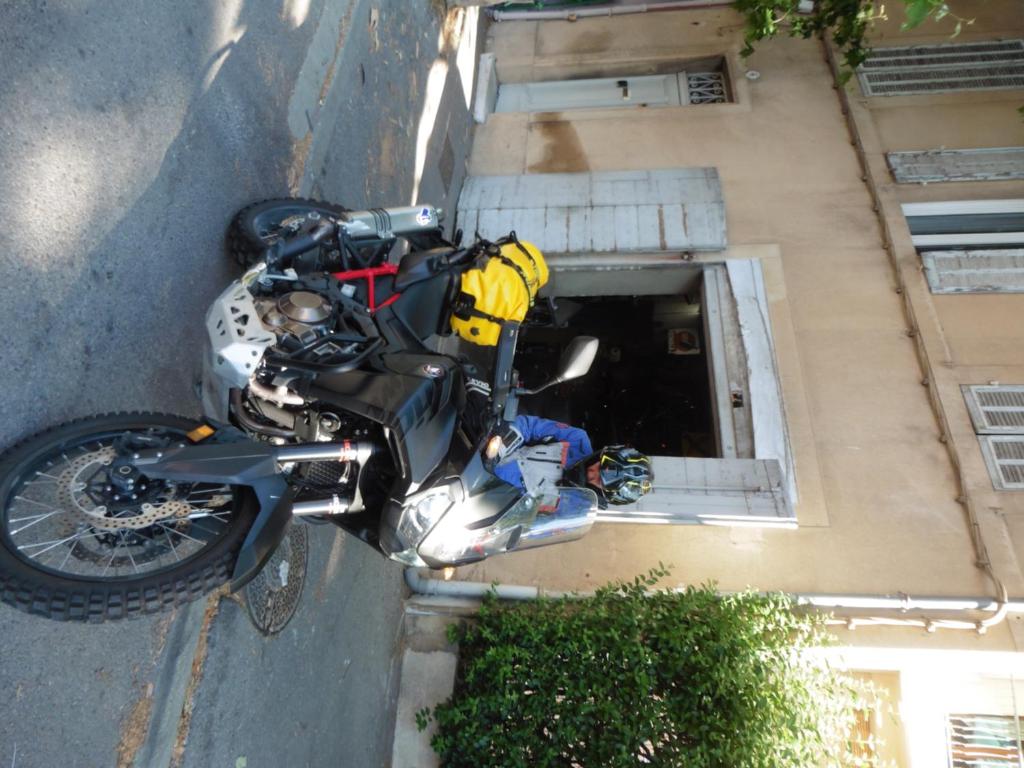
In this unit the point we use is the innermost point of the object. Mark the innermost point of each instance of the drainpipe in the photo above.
(602, 10)
(999, 608)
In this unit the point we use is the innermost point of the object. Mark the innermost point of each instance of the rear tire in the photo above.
(261, 224)
(32, 583)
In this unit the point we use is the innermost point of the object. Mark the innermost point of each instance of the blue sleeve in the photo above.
(535, 429)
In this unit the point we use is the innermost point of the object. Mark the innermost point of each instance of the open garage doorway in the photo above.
(679, 341)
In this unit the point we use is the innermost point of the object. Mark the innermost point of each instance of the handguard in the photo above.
(505, 441)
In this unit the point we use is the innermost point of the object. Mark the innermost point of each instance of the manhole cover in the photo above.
(273, 595)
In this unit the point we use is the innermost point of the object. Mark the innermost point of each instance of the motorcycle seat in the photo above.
(418, 266)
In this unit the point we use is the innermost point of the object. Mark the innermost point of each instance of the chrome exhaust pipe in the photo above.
(388, 222)
(344, 450)
(335, 505)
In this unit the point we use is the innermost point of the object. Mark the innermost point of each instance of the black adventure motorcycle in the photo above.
(325, 399)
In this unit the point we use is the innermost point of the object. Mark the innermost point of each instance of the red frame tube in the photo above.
(370, 274)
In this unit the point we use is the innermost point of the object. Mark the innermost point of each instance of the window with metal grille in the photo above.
(706, 88)
(984, 741)
(997, 413)
(909, 70)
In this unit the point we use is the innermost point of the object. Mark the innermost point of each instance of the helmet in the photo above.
(625, 474)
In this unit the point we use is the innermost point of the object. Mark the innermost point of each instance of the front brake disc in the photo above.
(70, 494)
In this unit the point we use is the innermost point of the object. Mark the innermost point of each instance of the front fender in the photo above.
(265, 535)
(244, 462)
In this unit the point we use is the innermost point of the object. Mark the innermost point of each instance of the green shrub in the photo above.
(625, 678)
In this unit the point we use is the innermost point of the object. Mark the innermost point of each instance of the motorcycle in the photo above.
(326, 399)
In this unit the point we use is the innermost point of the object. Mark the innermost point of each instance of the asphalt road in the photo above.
(127, 140)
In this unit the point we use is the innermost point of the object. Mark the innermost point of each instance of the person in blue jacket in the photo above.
(534, 452)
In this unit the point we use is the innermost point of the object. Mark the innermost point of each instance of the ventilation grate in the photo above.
(995, 409)
(900, 71)
(995, 270)
(1004, 455)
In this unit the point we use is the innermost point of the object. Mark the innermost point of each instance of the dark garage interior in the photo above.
(649, 385)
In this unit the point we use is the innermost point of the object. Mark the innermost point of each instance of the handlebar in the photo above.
(280, 252)
(503, 397)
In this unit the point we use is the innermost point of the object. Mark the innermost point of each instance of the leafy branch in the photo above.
(847, 20)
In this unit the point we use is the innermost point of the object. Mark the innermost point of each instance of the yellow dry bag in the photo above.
(500, 287)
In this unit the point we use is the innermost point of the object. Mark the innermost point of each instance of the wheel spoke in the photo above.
(174, 549)
(70, 550)
(222, 491)
(128, 549)
(33, 501)
(182, 534)
(204, 514)
(38, 519)
(56, 543)
(200, 527)
(111, 560)
(30, 517)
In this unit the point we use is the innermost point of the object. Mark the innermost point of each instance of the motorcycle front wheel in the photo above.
(84, 536)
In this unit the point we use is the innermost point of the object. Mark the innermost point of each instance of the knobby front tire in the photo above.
(83, 537)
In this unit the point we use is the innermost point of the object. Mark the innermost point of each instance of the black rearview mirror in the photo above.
(577, 358)
(576, 361)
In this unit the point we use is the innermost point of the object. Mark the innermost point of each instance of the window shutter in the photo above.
(997, 413)
(986, 164)
(1004, 455)
(996, 409)
(994, 270)
(989, 741)
(902, 71)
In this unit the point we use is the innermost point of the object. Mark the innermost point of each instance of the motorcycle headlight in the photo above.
(422, 514)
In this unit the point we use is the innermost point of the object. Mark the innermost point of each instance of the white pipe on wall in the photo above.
(602, 10)
(902, 603)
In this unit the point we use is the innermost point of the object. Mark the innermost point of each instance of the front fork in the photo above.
(258, 466)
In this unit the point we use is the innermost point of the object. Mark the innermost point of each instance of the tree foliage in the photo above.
(847, 20)
(629, 678)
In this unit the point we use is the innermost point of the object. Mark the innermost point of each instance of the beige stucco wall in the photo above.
(878, 507)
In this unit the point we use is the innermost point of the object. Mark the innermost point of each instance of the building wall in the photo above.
(878, 490)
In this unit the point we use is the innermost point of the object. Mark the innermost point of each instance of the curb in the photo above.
(427, 675)
(172, 682)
